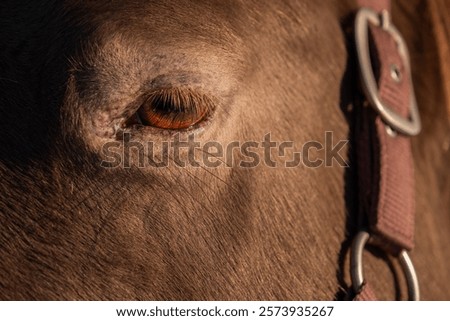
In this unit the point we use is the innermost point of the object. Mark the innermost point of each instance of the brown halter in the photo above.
(383, 148)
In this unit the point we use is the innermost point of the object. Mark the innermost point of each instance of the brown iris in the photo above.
(174, 108)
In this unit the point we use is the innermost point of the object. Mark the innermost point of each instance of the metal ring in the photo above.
(357, 273)
(401, 124)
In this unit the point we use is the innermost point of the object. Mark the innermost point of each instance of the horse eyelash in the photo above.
(181, 100)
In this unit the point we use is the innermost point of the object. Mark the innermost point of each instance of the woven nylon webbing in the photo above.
(385, 166)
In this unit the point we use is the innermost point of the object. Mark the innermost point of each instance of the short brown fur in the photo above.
(73, 230)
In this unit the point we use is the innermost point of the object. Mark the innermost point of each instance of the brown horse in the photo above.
(74, 73)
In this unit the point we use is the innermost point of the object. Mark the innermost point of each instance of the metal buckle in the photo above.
(356, 266)
(406, 126)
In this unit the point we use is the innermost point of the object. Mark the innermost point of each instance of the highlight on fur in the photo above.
(72, 72)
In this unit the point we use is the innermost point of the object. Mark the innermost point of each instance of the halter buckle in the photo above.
(408, 126)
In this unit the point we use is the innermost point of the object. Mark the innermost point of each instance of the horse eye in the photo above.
(173, 108)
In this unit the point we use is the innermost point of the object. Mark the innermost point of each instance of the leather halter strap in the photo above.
(383, 147)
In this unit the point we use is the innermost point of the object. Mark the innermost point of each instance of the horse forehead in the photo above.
(161, 15)
(197, 17)
(238, 31)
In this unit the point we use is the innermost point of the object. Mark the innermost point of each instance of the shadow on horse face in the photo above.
(77, 74)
